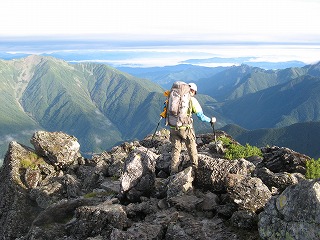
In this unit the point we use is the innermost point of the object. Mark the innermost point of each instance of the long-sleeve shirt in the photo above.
(197, 109)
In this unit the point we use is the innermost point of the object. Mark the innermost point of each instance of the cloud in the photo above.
(163, 53)
(227, 20)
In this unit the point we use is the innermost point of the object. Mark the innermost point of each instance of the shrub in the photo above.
(313, 169)
(236, 151)
(31, 161)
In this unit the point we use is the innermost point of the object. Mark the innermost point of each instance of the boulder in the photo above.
(52, 192)
(244, 219)
(102, 219)
(277, 182)
(17, 212)
(281, 159)
(212, 172)
(189, 228)
(139, 174)
(248, 193)
(59, 148)
(180, 183)
(294, 214)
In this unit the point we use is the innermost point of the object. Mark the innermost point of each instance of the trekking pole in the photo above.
(145, 154)
(215, 137)
(156, 129)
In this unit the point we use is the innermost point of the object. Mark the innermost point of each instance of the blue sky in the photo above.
(269, 30)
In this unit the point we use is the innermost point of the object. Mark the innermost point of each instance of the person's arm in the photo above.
(203, 117)
(197, 109)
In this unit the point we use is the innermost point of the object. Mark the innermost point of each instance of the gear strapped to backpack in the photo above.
(178, 109)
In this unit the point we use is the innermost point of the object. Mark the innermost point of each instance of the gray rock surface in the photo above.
(294, 214)
(59, 148)
(52, 192)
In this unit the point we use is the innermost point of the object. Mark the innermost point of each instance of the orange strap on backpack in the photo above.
(165, 104)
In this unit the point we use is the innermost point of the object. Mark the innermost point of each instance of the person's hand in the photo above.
(213, 120)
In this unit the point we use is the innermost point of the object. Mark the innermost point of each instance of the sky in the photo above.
(289, 28)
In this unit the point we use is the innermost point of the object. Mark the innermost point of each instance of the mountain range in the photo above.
(262, 102)
(166, 76)
(103, 106)
(98, 104)
(82, 99)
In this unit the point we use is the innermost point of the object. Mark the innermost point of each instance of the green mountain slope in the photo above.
(301, 137)
(238, 81)
(58, 100)
(103, 106)
(12, 117)
(222, 84)
(278, 106)
(165, 76)
(96, 103)
(119, 96)
(313, 69)
(15, 123)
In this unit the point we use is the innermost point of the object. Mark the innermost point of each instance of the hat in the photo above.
(194, 87)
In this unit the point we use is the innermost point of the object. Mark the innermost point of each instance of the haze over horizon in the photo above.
(167, 32)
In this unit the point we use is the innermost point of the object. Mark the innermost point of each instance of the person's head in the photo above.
(193, 88)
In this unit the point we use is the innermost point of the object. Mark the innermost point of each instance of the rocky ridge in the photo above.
(52, 192)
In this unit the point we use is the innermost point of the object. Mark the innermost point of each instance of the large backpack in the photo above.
(178, 110)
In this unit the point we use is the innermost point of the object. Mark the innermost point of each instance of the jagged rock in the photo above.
(61, 149)
(143, 209)
(139, 174)
(281, 159)
(160, 187)
(189, 228)
(180, 183)
(98, 237)
(50, 223)
(89, 177)
(188, 203)
(101, 219)
(211, 172)
(277, 181)
(294, 214)
(56, 188)
(244, 219)
(210, 201)
(226, 210)
(32, 177)
(163, 163)
(117, 158)
(101, 163)
(47, 194)
(17, 213)
(139, 231)
(208, 143)
(94, 171)
(111, 185)
(249, 193)
(255, 160)
(160, 138)
(47, 171)
(72, 186)
(76, 199)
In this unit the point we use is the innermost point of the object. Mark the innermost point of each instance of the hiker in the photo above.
(181, 127)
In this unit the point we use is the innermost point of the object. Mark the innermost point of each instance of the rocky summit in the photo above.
(52, 192)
